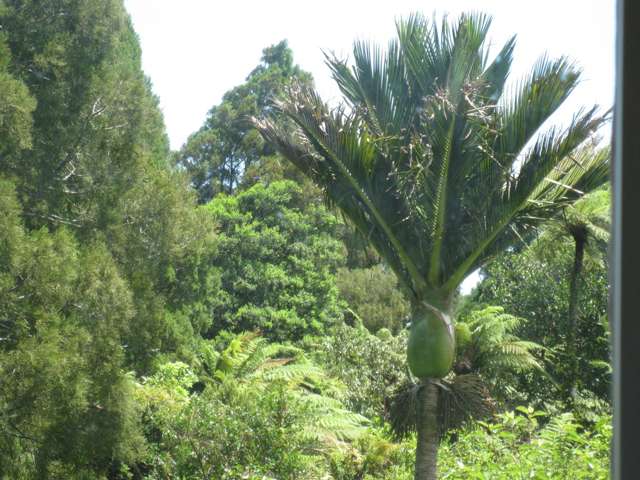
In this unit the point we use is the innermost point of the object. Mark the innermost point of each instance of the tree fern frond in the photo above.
(250, 362)
(494, 348)
(293, 373)
(330, 421)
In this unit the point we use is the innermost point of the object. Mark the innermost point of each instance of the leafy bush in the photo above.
(265, 411)
(228, 432)
(514, 447)
(373, 294)
(370, 366)
(373, 457)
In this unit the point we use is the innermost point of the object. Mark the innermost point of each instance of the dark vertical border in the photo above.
(625, 279)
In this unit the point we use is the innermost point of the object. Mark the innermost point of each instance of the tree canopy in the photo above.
(227, 146)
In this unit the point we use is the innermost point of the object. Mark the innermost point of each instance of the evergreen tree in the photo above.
(96, 125)
(99, 159)
(65, 400)
(228, 150)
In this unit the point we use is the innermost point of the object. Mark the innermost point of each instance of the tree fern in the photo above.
(494, 348)
(250, 361)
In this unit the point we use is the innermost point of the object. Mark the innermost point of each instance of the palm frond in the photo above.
(533, 101)
(334, 150)
(437, 163)
(550, 178)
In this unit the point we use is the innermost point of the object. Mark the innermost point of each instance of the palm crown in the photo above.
(432, 158)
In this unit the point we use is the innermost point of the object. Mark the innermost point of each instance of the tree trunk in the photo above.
(428, 436)
(430, 355)
(580, 239)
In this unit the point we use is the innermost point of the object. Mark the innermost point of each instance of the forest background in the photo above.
(201, 313)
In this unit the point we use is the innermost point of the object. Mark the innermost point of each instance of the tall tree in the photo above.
(97, 157)
(277, 262)
(587, 223)
(440, 167)
(570, 255)
(96, 123)
(535, 283)
(227, 146)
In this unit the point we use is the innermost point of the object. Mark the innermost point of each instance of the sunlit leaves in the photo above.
(433, 159)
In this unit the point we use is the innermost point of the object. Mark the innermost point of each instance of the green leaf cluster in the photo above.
(435, 161)
(277, 256)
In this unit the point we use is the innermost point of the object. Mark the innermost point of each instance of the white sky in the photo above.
(196, 50)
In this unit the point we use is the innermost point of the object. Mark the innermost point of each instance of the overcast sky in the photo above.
(196, 50)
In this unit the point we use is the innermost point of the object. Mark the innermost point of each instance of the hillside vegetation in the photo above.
(208, 313)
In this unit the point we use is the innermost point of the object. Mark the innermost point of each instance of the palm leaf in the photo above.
(437, 163)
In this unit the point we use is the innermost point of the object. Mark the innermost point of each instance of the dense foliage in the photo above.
(201, 314)
(371, 366)
(277, 256)
(534, 284)
(66, 315)
(516, 446)
(374, 297)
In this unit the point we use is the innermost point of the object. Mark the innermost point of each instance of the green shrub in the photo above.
(515, 447)
(230, 431)
(371, 366)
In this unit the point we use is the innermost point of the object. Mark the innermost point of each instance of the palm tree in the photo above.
(439, 166)
(587, 223)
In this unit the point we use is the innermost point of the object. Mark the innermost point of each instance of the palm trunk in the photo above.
(428, 435)
(580, 238)
(430, 353)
